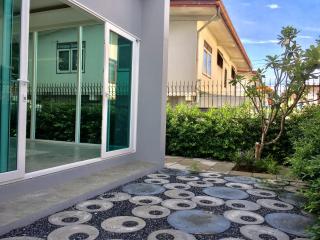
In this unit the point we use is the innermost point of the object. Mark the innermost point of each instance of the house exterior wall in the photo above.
(182, 52)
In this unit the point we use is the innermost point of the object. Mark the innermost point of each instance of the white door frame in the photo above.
(134, 93)
(22, 105)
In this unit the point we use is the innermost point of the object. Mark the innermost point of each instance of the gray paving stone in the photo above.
(143, 189)
(225, 193)
(198, 222)
(290, 223)
(66, 232)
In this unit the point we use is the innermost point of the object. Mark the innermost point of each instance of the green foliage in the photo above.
(305, 161)
(217, 134)
(246, 161)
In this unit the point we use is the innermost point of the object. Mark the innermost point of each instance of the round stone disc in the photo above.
(241, 179)
(274, 204)
(198, 222)
(243, 205)
(177, 186)
(202, 184)
(210, 174)
(292, 198)
(179, 204)
(262, 193)
(66, 232)
(290, 223)
(77, 217)
(243, 217)
(123, 224)
(151, 212)
(175, 193)
(99, 206)
(115, 196)
(158, 181)
(226, 193)
(254, 232)
(143, 189)
(207, 201)
(145, 200)
(174, 235)
(242, 186)
(214, 180)
(188, 178)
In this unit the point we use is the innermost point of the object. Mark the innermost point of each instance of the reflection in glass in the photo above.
(119, 102)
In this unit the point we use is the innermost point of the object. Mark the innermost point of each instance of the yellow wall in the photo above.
(216, 82)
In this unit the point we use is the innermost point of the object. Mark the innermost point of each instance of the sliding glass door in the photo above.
(13, 86)
(119, 94)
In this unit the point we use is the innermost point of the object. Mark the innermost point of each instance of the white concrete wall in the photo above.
(182, 64)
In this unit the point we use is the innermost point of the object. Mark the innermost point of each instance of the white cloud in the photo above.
(252, 41)
(273, 6)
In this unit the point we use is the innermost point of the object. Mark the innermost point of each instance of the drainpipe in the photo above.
(213, 18)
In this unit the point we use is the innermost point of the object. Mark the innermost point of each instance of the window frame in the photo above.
(220, 60)
(70, 50)
(207, 62)
(225, 83)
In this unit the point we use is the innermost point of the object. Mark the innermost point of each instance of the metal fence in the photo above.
(212, 94)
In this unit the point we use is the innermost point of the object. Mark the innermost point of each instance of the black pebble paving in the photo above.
(42, 227)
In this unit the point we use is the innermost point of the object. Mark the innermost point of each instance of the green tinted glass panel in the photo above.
(119, 102)
(9, 63)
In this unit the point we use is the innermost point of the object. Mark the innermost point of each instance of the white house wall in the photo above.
(182, 52)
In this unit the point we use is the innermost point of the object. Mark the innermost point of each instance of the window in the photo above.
(233, 73)
(220, 59)
(207, 56)
(225, 78)
(67, 57)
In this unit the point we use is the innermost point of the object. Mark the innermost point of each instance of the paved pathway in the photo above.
(174, 204)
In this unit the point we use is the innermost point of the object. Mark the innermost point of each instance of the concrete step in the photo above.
(28, 208)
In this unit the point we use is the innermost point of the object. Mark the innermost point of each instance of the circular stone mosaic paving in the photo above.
(123, 224)
(292, 198)
(151, 212)
(159, 181)
(67, 218)
(208, 201)
(181, 186)
(214, 180)
(241, 179)
(179, 204)
(65, 233)
(198, 222)
(175, 193)
(143, 189)
(243, 217)
(145, 200)
(290, 223)
(174, 172)
(255, 232)
(115, 196)
(243, 205)
(188, 178)
(210, 175)
(94, 206)
(262, 193)
(274, 204)
(225, 193)
(170, 234)
(242, 186)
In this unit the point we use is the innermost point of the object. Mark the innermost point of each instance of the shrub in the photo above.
(305, 161)
(217, 134)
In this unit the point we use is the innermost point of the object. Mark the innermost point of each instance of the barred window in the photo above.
(207, 60)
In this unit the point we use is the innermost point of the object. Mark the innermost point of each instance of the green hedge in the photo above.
(217, 134)
(305, 162)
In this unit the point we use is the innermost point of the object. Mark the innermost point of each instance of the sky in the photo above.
(259, 22)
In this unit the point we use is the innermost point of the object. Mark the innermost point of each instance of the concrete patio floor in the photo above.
(174, 204)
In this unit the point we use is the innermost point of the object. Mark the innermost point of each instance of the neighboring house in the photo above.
(313, 95)
(205, 53)
(124, 48)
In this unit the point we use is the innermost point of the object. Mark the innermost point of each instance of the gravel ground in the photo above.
(42, 227)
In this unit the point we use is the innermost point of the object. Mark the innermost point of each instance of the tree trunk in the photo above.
(258, 151)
